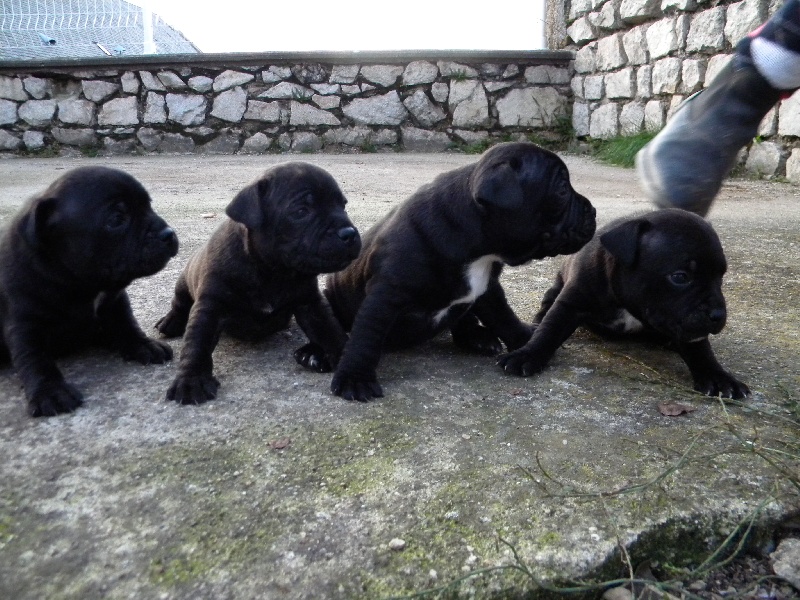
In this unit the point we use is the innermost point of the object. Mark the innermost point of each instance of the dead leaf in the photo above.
(673, 409)
(280, 444)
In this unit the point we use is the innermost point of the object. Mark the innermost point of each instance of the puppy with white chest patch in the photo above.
(433, 263)
(659, 274)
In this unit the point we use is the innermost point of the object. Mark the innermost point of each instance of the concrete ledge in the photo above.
(561, 57)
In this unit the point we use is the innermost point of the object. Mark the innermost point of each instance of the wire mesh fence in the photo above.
(34, 29)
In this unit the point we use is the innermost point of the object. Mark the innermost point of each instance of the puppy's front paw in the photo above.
(147, 351)
(312, 357)
(720, 383)
(354, 387)
(193, 389)
(521, 338)
(522, 363)
(172, 324)
(53, 398)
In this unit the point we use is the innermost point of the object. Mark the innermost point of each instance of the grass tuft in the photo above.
(621, 151)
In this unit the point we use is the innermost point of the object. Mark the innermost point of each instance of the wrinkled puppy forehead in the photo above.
(684, 237)
(533, 168)
(301, 177)
(91, 186)
(526, 157)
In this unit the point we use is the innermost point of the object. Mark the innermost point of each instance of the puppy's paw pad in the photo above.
(521, 363)
(148, 351)
(312, 357)
(53, 399)
(193, 389)
(171, 325)
(351, 387)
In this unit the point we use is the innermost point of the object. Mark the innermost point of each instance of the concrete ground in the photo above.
(277, 489)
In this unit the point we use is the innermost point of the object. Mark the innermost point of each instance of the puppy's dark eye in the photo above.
(680, 278)
(118, 217)
(301, 212)
(301, 208)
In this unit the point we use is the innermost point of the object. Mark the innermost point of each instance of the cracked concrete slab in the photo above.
(277, 489)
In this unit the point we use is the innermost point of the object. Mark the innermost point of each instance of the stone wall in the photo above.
(637, 60)
(259, 103)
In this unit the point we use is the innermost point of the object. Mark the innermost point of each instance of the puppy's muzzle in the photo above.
(698, 324)
(718, 316)
(574, 231)
(332, 252)
(169, 240)
(160, 246)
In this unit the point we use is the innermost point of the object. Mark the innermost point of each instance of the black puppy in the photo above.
(433, 263)
(258, 269)
(65, 261)
(660, 273)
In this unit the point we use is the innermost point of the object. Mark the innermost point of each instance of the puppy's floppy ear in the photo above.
(245, 208)
(623, 240)
(38, 221)
(498, 185)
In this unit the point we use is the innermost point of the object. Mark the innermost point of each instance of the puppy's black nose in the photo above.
(717, 315)
(347, 234)
(169, 239)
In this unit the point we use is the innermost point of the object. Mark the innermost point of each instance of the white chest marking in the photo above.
(626, 323)
(477, 275)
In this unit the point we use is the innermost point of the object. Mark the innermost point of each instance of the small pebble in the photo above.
(617, 593)
(697, 586)
(397, 544)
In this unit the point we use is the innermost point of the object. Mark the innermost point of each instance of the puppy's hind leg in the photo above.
(120, 331)
(173, 324)
(326, 337)
(499, 320)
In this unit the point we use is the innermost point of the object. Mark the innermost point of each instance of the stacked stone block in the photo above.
(420, 105)
(637, 60)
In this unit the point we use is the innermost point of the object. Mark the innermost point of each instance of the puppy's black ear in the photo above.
(498, 185)
(245, 208)
(623, 240)
(37, 223)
